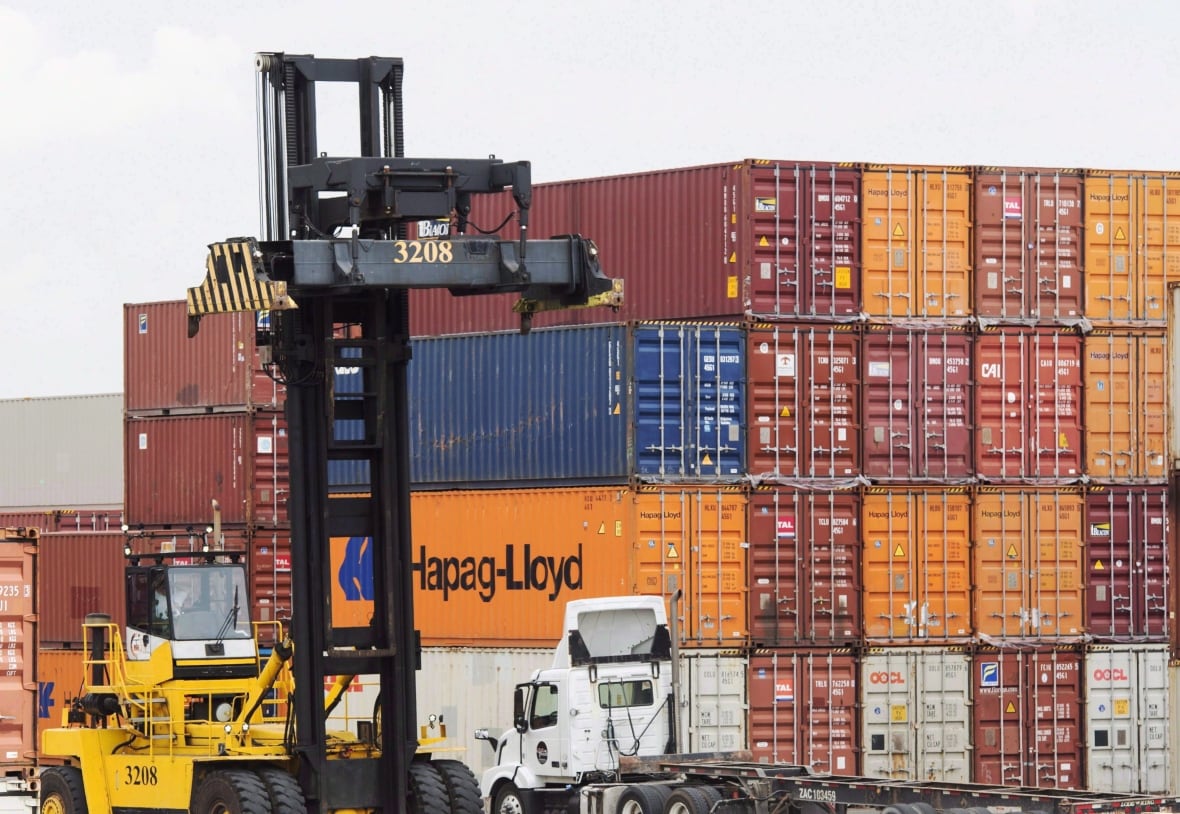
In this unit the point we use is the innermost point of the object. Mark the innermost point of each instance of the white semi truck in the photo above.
(595, 733)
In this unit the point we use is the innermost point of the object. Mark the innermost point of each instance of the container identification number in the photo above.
(423, 251)
(818, 795)
(139, 775)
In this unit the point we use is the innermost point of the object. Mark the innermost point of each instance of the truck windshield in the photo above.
(614, 694)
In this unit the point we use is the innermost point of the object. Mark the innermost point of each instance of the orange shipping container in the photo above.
(917, 583)
(1028, 563)
(59, 679)
(917, 242)
(1125, 388)
(1132, 245)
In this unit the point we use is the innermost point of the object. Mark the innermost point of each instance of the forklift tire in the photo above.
(462, 787)
(231, 791)
(691, 800)
(428, 792)
(286, 796)
(62, 791)
(508, 800)
(648, 798)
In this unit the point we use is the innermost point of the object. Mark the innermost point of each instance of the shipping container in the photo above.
(1127, 564)
(60, 680)
(1028, 245)
(61, 452)
(1127, 719)
(79, 573)
(1132, 245)
(596, 404)
(917, 242)
(270, 576)
(804, 402)
(108, 518)
(804, 565)
(1027, 718)
(803, 706)
(166, 372)
(1124, 373)
(917, 565)
(769, 239)
(1028, 405)
(19, 607)
(918, 397)
(916, 718)
(1028, 576)
(713, 709)
(176, 465)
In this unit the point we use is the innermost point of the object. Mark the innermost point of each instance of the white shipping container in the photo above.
(712, 712)
(1127, 724)
(916, 719)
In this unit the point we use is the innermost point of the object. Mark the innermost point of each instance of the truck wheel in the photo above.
(286, 796)
(691, 800)
(428, 793)
(646, 799)
(231, 791)
(462, 788)
(62, 792)
(508, 800)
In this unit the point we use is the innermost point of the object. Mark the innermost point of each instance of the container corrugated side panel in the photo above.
(1028, 245)
(60, 676)
(64, 451)
(916, 714)
(79, 573)
(270, 465)
(19, 605)
(1127, 719)
(507, 408)
(1124, 374)
(270, 575)
(713, 713)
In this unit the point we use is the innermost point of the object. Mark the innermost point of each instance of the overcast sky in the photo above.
(128, 137)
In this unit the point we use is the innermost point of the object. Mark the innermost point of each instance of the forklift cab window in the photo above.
(199, 602)
(544, 707)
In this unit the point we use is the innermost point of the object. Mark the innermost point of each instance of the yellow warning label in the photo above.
(898, 231)
(618, 528)
(731, 287)
(1098, 566)
(602, 528)
(898, 714)
(763, 241)
(1012, 552)
(1122, 706)
(617, 410)
(843, 277)
(899, 551)
(1062, 441)
(706, 461)
(732, 257)
(672, 554)
(733, 217)
(1010, 708)
(1119, 234)
(786, 413)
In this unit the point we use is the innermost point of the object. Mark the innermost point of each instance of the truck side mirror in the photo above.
(519, 719)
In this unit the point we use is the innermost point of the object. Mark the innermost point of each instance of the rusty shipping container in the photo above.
(1028, 576)
(19, 606)
(1028, 405)
(60, 675)
(270, 575)
(79, 573)
(1027, 718)
(166, 372)
(1028, 245)
(803, 393)
(804, 566)
(916, 705)
(175, 465)
(803, 705)
(917, 565)
(918, 399)
(47, 520)
(1127, 563)
(768, 239)
(1132, 246)
(917, 242)
(1125, 378)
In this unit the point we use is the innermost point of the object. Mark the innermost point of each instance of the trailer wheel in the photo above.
(648, 798)
(286, 796)
(691, 800)
(62, 791)
(428, 793)
(462, 787)
(508, 800)
(231, 791)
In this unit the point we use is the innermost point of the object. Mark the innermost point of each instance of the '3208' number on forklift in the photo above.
(139, 775)
(423, 251)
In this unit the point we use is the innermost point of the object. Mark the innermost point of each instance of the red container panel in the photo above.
(79, 573)
(108, 519)
(1126, 563)
(165, 371)
(1027, 718)
(803, 708)
(804, 397)
(270, 576)
(1028, 245)
(1028, 398)
(917, 404)
(804, 567)
(19, 602)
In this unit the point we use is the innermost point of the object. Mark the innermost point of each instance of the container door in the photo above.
(1056, 392)
(1127, 718)
(661, 401)
(889, 681)
(889, 242)
(1001, 406)
(1109, 252)
(713, 713)
(832, 251)
(1158, 205)
(1053, 692)
(717, 405)
(943, 261)
(18, 652)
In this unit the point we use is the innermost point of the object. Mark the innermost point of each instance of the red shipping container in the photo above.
(165, 371)
(917, 404)
(804, 397)
(1027, 718)
(79, 573)
(19, 603)
(49, 520)
(804, 567)
(803, 708)
(176, 465)
(270, 577)
(1028, 245)
(775, 240)
(1126, 563)
(1028, 399)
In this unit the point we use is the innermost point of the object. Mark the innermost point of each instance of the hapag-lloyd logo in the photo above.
(518, 570)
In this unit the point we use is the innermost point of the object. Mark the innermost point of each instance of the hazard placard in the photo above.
(672, 553)
(1010, 709)
(762, 241)
(1119, 234)
(1098, 566)
(706, 461)
(899, 551)
(1012, 552)
(898, 231)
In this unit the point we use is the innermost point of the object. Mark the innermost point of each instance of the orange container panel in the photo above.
(60, 677)
(1124, 375)
(1132, 245)
(916, 572)
(917, 242)
(1028, 564)
(19, 606)
(698, 536)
